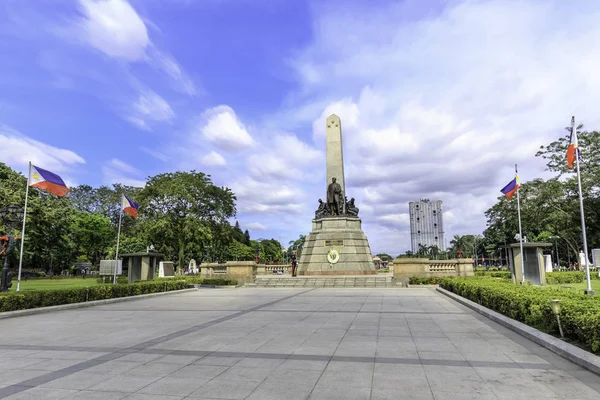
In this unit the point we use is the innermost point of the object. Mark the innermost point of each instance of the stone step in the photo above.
(336, 282)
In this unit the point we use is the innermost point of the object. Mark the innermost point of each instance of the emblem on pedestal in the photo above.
(333, 256)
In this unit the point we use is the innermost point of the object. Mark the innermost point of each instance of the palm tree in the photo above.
(296, 246)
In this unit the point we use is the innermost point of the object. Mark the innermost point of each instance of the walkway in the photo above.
(280, 344)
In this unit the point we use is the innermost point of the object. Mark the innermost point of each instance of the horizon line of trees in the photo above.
(183, 214)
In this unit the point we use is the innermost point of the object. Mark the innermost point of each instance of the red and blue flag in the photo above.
(48, 181)
(130, 207)
(512, 187)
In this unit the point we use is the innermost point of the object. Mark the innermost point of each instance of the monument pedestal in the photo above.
(344, 235)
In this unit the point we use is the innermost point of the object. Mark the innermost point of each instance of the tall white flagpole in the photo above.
(23, 230)
(118, 239)
(520, 230)
(585, 248)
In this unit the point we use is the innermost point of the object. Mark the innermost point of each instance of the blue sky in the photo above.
(437, 98)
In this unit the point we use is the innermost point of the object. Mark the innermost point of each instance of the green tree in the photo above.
(93, 234)
(384, 257)
(295, 246)
(186, 213)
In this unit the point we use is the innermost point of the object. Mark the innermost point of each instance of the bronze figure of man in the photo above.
(334, 194)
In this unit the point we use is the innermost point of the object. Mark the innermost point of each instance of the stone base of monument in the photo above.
(344, 241)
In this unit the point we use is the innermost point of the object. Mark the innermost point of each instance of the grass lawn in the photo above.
(580, 287)
(52, 284)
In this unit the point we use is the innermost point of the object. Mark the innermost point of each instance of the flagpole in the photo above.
(117, 251)
(520, 230)
(585, 248)
(23, 230)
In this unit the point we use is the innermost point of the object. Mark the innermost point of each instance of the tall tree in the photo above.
(187, 211)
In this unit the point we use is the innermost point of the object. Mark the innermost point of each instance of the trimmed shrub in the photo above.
(194, 280)
(580, 313)
(554, 278)
(494, 274)
(430, 280)
(43, 298)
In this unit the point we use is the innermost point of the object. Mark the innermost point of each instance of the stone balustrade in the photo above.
(243, 271)
(423, 267)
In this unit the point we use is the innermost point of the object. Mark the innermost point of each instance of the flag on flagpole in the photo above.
(48, 181)
(130, 207)
(512, 187)
(573, 148)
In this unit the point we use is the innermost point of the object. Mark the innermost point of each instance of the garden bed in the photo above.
(580, 313)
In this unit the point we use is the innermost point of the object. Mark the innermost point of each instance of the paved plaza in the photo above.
(280, 344)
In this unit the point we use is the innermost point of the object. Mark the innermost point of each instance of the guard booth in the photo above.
(142, 266)
(533, 258)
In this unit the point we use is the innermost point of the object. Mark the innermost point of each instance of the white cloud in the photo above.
(256, 226)
(114, 28)
(267, 197)
(213, 159)
(117, 171)
(223, 128)
(285, 157)
(150, 105)
(17, 150)
(156, 154)
(443, 105)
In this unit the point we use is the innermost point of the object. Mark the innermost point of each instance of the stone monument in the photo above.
(337, 245)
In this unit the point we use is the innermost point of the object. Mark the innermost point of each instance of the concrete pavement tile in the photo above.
(202, 372)
(404, 394)
(337, 392)
(95, 395)
(79, 380)
(218, 361)
(155, 369)
(317, 365)
(115, 367)
(125, 383)
(52, 365)
(226, 389)
(173, 386)
(146, 396)
(245, 373)
(41, 394)
(464, 396)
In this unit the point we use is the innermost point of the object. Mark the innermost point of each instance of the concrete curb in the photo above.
(41, 310)
(572, 353)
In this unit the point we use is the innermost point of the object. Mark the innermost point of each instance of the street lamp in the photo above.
(9, 216)
(555, 306)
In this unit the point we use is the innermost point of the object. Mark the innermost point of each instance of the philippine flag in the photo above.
(48, 181)
(130, 207)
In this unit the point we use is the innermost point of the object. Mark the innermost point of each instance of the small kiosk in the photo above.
(535, 272)
(142, 266)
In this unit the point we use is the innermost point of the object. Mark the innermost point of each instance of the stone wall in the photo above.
(243, 271)
(423, 267)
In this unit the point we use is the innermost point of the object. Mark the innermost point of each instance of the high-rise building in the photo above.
(426, 224)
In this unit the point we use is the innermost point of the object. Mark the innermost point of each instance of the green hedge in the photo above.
(494, 274)
(34, 299)
(431, 280)
(580, 313)
(554, 278)
(199, 281)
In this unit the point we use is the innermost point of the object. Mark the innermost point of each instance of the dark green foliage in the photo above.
(430, 280)
(44, 298)
(494, 274)
(580, 314)
(194, 280)
(554, 278)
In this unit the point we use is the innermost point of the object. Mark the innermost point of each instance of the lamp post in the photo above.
(9, 216)
(555, 306)
(257, 250)
(555, 238)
